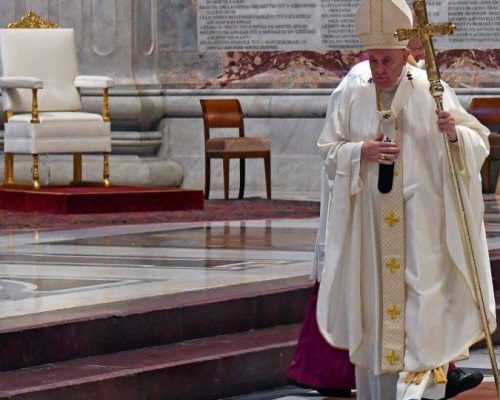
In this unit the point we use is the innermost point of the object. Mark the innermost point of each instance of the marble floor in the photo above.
(47, 271)
(64, 270)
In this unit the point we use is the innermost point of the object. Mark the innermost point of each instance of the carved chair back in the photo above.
(222, 113)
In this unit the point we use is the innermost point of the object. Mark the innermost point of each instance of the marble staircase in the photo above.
(196, 345)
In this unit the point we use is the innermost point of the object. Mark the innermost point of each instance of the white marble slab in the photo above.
(124, 273)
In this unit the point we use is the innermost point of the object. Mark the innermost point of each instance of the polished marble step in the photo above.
(113, 327)
(201, 369)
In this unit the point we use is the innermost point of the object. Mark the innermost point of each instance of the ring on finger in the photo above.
(383, 157)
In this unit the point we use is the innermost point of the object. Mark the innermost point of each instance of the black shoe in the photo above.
(459, 381)
(344, 393)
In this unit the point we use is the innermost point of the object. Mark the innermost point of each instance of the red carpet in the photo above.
(93, 200)
(215, 210)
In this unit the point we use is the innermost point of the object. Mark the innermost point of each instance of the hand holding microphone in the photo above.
(385, 153)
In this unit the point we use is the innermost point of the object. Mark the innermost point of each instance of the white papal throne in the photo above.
(41, 98)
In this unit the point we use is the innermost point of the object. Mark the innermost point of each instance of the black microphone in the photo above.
(385, 175)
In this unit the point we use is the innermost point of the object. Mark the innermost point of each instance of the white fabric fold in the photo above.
(359, 69)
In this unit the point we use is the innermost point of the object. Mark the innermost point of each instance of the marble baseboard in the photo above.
(298, 175)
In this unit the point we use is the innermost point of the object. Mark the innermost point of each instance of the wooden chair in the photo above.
(226, 113)
(487, 111)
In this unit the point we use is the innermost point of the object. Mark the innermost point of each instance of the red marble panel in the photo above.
(312, 69)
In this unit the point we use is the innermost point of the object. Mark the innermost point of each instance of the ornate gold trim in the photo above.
(105, 170)
(77, 168)
(105, 106)
(30, 21)
(34, 108)
(8, 169)
(7, 115)
(36, 172)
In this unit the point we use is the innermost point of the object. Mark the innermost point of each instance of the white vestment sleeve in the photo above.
(319, 247)
(327, 184)
(334, 140)
(341, 160)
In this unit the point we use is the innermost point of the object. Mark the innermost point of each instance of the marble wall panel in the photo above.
(70, 15)
(20, 9)
(106, 39)
(144, 41)
(144, 14)
(104, 27)
(7, 12)
(304, 69)
(41, 7)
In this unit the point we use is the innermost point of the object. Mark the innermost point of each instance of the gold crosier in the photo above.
(425, 32)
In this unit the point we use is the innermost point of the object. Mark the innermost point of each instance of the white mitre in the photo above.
(376, 21)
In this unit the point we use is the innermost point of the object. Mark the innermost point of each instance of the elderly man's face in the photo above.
(386, 66)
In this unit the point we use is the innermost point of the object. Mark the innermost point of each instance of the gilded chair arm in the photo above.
(25, 82)
(20, 82)
(93, 82)
(97, 82)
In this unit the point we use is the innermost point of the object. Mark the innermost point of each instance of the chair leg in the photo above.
(8, 172)
(105, 170)
(267, 167)
(36, 172)
(242, 178)
(225, 165)
(486, 172)
(77, 168)
(207, 177)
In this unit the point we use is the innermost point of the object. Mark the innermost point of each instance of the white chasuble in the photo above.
(441, 319)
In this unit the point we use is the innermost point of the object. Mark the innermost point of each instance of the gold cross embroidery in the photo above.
(392, 358)
(393, 265)
(391, 220)
(394, 311)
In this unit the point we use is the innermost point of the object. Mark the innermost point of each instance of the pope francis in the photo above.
(396, 281)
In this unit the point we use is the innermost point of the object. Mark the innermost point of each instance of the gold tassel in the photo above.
(439, 375)
(414, 377)
(409, 377)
